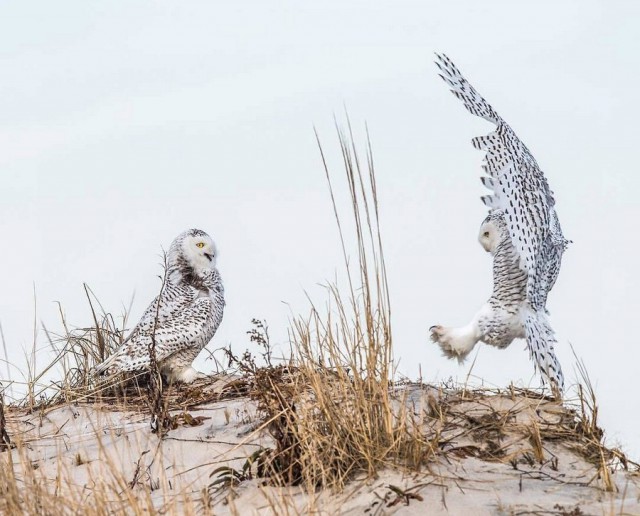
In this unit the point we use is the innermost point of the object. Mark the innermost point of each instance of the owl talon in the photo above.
(454, 342)
(436, 333)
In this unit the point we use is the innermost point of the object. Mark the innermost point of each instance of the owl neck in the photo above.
(505, 250)
(180, 271)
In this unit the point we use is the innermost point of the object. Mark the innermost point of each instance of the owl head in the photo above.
(492, 230)
(193, 249)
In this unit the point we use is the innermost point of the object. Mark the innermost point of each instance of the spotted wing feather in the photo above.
(183, 323)
(519, 188)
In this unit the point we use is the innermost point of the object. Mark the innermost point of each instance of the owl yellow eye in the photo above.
(200, 244)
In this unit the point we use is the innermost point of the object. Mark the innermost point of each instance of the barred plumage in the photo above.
(522, 232)
(182, 319)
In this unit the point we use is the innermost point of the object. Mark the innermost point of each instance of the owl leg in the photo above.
(456, 342)
(178, 367)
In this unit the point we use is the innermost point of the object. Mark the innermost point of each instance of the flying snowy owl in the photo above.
(522, 233)
(182, 319)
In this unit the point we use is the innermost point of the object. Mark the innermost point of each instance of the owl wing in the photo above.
(541, 341)
(519, 188)
(181, 322)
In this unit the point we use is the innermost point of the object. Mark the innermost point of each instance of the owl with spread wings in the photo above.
(522, 233)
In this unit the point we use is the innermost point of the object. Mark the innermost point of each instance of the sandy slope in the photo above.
(83, 448)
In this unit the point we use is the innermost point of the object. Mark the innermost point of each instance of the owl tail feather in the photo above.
(541, 341)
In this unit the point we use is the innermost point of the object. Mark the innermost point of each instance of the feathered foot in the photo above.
(454, 342)
(186, 375)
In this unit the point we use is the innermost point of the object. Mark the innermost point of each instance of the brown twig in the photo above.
(5, 441)
(160, 420)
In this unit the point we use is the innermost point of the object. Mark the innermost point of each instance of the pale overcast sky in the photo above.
(123, 123)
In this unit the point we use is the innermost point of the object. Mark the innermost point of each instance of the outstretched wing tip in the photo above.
(513, 170)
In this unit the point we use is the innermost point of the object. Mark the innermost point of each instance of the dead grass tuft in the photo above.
(331, 411)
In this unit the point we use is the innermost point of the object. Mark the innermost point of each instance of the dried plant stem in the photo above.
(5, 441)
(160, 420)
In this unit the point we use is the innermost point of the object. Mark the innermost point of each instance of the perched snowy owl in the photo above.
(182, 319)
(522, 233)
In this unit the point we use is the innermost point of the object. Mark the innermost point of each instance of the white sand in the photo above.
(80, 447)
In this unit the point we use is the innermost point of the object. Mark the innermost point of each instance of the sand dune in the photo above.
(496, 453)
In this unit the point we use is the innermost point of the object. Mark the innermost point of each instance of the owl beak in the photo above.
(209, 256)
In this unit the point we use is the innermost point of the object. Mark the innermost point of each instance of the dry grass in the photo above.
(330, 410)
(5, 440)
(24, 489)
(67, 378)
(340, 412)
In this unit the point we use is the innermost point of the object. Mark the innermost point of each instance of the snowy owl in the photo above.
(522, 233)
(182, 319)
